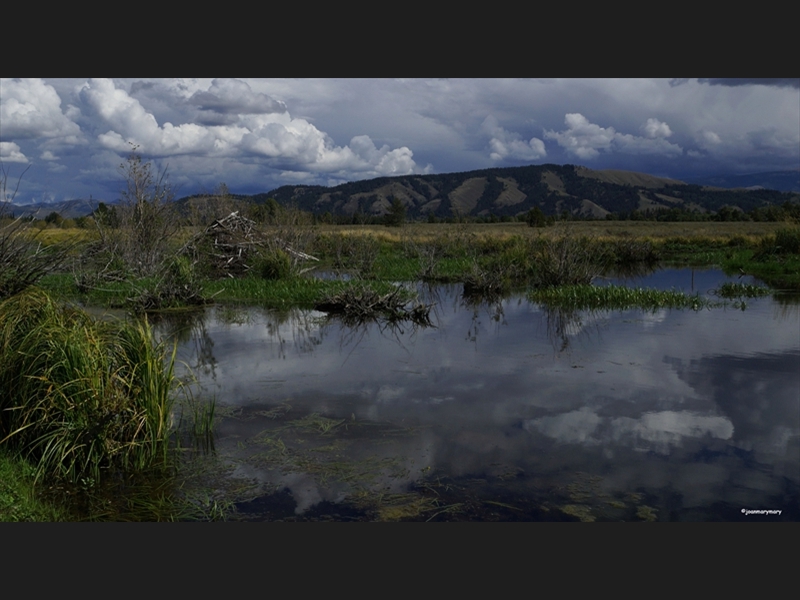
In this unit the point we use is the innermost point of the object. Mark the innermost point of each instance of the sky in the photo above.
(255, 135)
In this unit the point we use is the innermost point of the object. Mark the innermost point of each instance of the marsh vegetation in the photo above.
(91, 406)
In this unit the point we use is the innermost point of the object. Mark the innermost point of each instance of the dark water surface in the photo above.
(505, 412)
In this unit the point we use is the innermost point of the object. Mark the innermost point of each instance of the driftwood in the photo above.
(364, 304)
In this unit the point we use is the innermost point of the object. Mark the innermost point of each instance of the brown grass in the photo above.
(652, 230)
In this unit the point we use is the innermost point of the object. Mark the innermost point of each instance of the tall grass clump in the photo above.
(785, 241)
(81, 398)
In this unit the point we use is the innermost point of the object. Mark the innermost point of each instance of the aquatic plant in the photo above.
(584, 297)
(732, 290)
(82, 397)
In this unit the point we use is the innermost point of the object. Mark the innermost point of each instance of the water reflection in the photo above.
(672, 415)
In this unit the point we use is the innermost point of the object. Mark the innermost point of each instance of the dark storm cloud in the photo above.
(789, 82)
(737, 81)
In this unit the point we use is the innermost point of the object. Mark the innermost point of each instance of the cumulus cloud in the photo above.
(131, 122)
(235, 96)
(382, 160)
(30, 108)
(707, 140)
(261, 127)
(11, 152)
(656, 129)
(585, 139)
(507, 144)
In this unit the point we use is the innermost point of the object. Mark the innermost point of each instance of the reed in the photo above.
(81, 398)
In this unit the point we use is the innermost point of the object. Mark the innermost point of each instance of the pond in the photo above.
(504, 411)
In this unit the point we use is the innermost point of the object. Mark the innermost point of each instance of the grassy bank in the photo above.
(87, 418)
(83, 397)
(486, 258)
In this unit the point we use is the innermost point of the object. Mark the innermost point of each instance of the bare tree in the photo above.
(146, 219)
(219, 203)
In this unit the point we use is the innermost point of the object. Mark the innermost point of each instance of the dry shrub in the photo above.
(565, 260)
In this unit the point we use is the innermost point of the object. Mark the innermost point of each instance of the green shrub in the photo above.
(274, 264)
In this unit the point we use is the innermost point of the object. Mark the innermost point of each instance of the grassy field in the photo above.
(426, 232)
(652, 230)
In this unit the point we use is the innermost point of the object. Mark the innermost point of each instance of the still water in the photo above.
(504, 411)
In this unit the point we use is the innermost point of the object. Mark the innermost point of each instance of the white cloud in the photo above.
(507, 144)
(656, 129)
(708, 139)
(585, 139)
(30, 108)
(132, 123)
(11, 152)
(662, 430)
(262, 128)
(47, 155)
(575, 427)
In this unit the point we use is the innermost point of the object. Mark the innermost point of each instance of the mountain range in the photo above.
(511, 191)
(514, 190)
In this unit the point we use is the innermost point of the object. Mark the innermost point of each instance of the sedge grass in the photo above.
(81, 397)
(612, 297)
